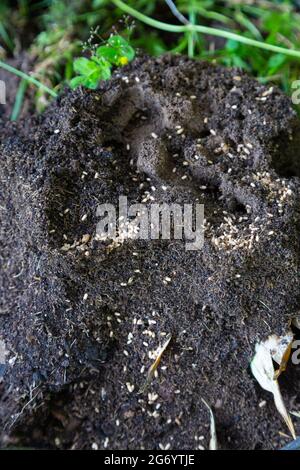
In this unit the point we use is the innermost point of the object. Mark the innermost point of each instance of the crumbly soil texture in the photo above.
(81, 319)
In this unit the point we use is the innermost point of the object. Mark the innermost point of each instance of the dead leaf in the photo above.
(156, 363)
(213, 443)
(296, 322)
(280, 348)
(263, 370)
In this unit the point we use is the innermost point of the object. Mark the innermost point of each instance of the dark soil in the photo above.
(79, 320)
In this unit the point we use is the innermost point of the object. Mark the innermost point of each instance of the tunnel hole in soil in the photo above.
(286, 159)
(203, 133)
(53, 416)
(237, 207)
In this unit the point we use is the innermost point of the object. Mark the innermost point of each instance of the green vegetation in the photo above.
(116, 52)
(260, 36)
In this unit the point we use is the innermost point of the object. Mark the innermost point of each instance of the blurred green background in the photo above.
(51, 33)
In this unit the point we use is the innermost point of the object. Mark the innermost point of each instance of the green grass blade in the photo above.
(30, 79)
(6, 38)
(205, 30)
(19, 100)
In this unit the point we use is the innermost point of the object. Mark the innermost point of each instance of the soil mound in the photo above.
(81, 319)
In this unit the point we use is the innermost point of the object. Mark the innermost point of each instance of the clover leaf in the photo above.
(116, 52)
